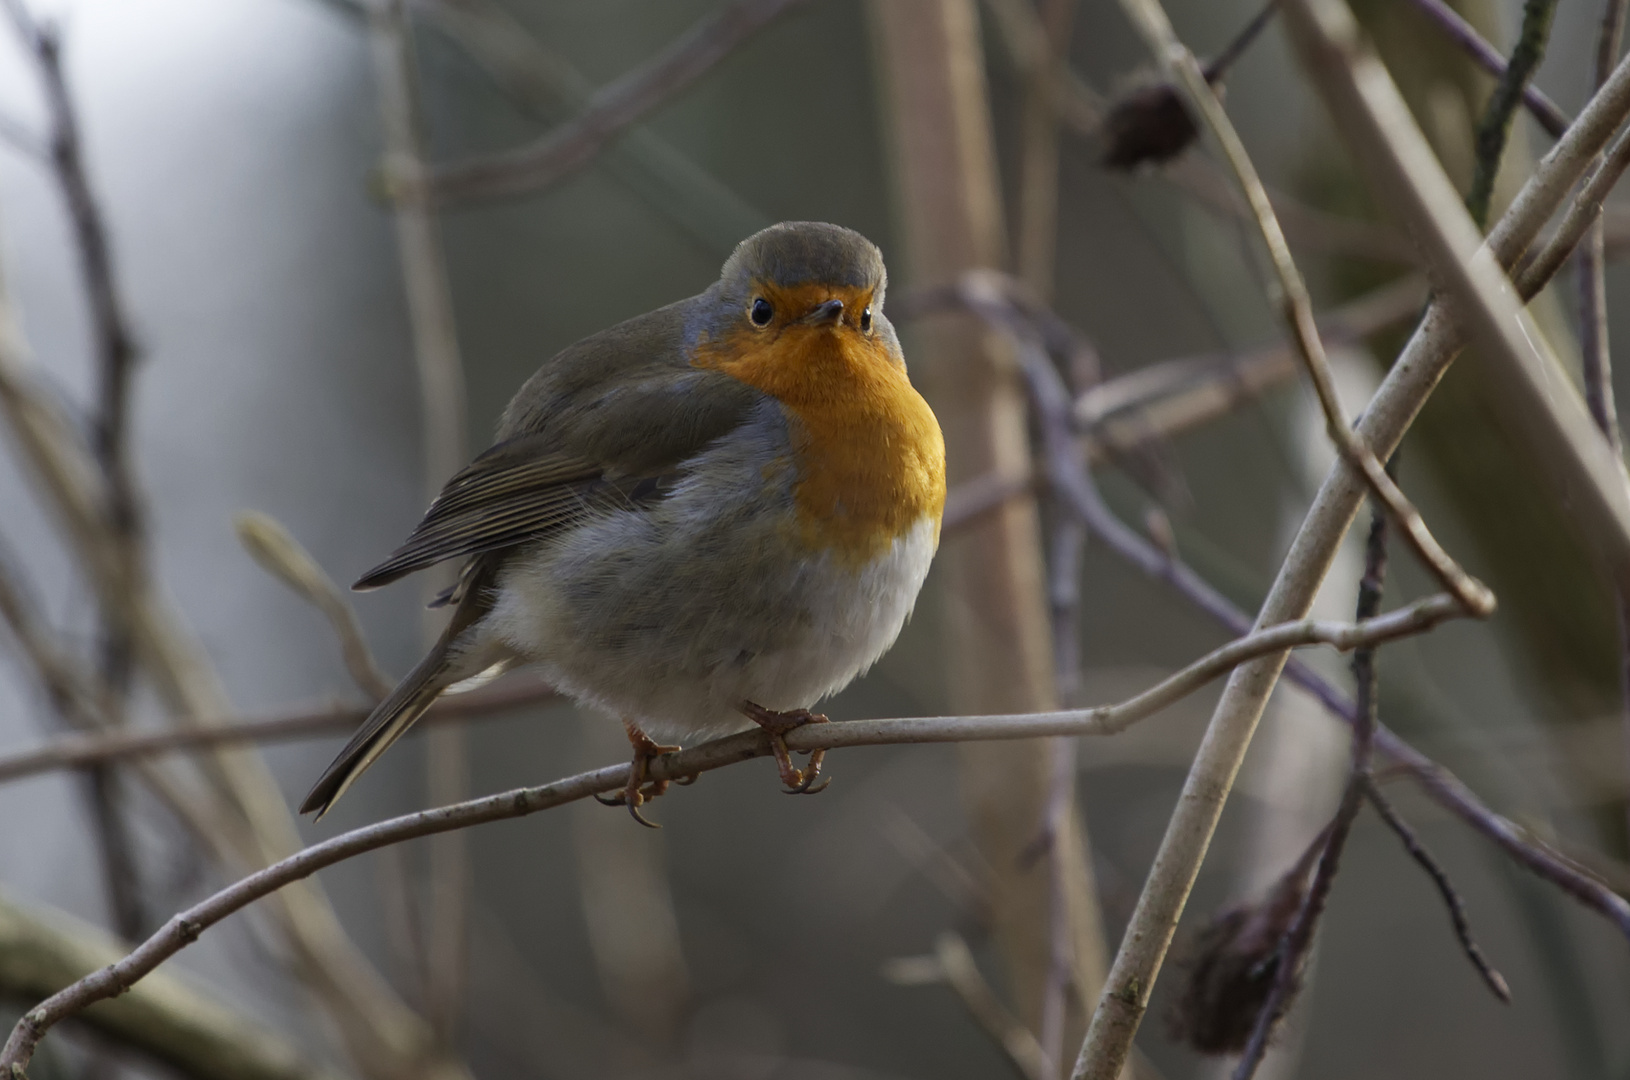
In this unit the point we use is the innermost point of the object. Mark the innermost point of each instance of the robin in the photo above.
(711, 515)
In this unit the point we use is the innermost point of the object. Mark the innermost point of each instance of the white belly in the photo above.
(672, 618)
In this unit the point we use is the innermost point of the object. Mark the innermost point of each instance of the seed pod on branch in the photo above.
(1234, 961)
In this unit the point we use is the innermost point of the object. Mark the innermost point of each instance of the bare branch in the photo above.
(169, 1019)
(612, 109)
(79, 751)
(1531, 388)
(952, 963)
(1411, 379)
(1592, 275)
(1297, 940)
(1295, 307)
(184, 928)
(539, 81)
(1494, 127)
(1582, 213)
(1465, 35)
(275, 549)
(442, 406)
(1074, 482)
(1451, 899)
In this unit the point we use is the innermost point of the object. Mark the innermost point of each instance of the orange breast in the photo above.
(869, 455)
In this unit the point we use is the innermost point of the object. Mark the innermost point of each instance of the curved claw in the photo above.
(609, 800)
(634, 812)
(805, 789)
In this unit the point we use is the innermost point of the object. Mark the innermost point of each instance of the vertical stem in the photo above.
(1494, 129)
(116, 355)
(1298, 939)
(1064, 601)
(441, 388)
(1038, 164)
(998, 655)
(1597, 359)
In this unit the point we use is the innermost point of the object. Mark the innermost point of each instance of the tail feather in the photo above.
(387, 723)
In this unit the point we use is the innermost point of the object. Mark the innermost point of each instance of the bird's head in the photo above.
(798, 297)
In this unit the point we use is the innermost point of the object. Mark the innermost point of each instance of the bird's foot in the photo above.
(798, 781)
(638, 791)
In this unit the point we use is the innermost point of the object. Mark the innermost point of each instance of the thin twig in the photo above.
(611, 110)
(1592, 265)
(1446, 889)
(1295, 307)
(243, 818)
(952, 964)
(1494, 128)
(1465, 35)
(116, 356)
(442, 407)
(276, 549)
(1582, 212)
(1298, 937)
(184, 928)
(79, 751)
(1064, 605)
(1410, 380)
(539, 81)
(1531, 391)
(1074, 482)
(1596, 360)
(1035, 244)
(1218, 65)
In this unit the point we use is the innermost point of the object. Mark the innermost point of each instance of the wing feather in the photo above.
(604, 424)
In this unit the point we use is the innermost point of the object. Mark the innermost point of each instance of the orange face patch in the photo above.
(869, 453)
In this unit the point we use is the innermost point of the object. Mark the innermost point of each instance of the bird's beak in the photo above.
(825, 314)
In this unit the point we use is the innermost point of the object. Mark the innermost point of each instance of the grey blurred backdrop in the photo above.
(233, 142)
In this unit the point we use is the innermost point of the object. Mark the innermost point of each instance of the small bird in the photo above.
(711, 515)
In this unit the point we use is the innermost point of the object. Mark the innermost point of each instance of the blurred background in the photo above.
(235, 147)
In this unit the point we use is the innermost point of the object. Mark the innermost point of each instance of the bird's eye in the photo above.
(866, 321)
(762, 312)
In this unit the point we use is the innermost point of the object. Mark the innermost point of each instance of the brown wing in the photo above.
(604, 424)
(513, 492)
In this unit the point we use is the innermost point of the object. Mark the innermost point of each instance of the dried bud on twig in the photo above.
(1234, 962)
(1147, 125)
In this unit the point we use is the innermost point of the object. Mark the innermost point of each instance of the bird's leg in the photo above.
(798, 781)
(637, 791)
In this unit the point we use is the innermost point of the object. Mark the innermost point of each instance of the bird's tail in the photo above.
(389, 720)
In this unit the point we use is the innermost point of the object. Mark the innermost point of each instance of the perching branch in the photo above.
(611, 110)
(183, 929)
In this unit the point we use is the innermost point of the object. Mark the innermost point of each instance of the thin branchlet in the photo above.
(1494, 129)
